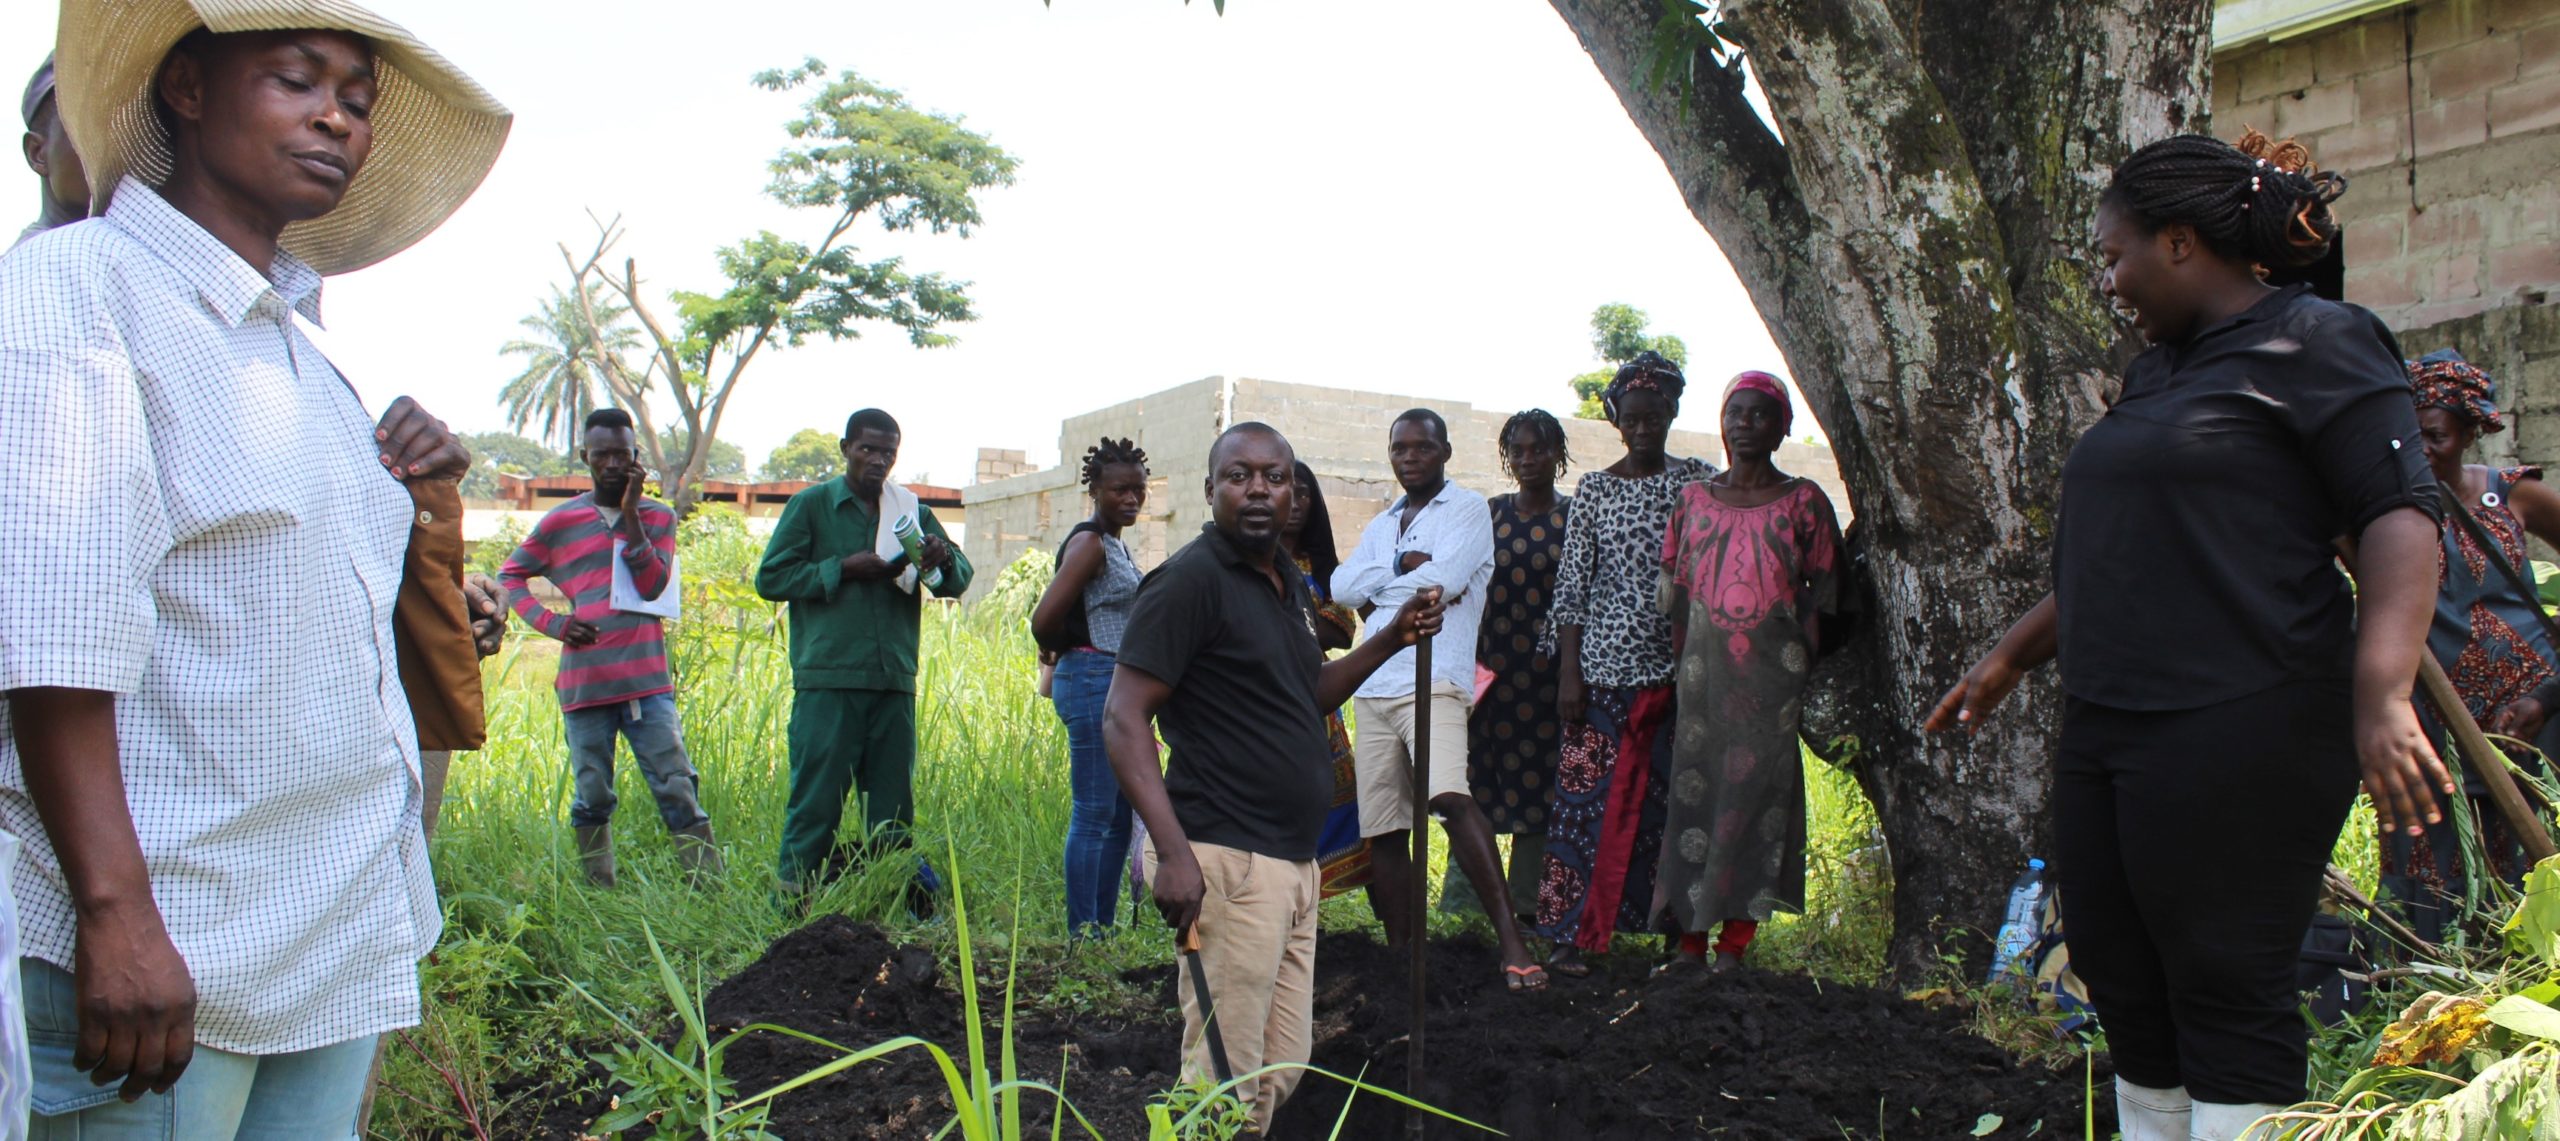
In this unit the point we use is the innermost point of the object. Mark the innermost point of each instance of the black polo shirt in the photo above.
(2193, 560)
(1250, 766)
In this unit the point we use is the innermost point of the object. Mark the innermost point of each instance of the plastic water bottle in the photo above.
(912, 538)
(2026, 916)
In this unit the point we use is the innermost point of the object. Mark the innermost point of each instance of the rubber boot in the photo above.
(2213, 1121)
(699, 853)
(2146, 1114)
(595, 851)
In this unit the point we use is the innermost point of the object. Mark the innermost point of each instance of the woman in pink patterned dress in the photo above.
(1751, 564)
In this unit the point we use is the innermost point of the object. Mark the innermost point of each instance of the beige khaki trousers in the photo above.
(1258, 943)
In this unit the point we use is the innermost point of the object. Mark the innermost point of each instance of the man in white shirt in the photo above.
(1437, 535)
(223, 876)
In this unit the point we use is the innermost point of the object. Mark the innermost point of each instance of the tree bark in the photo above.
(1915, 235)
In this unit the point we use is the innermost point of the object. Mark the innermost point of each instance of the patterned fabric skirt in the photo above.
(1342, 856)
(1604, 832)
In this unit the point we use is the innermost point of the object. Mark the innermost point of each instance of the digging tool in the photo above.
(1420, 888)
(1190, 945)
(2484, 758)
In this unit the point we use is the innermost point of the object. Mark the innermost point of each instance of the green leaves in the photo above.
(2535, 927)
(2525, 1016)
(858, 146)
(1618, 333)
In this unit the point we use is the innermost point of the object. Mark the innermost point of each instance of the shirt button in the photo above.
(426, 518)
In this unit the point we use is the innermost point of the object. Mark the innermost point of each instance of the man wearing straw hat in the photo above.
(49, 154)
(209, 756)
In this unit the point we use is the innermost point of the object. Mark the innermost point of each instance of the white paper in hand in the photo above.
(626, 597)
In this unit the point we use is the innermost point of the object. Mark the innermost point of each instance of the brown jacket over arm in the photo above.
(438, 665)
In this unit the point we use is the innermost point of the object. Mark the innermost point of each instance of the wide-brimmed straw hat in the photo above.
(436, 133)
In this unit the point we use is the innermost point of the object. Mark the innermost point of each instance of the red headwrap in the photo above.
(1758, 381)
(2444, 380)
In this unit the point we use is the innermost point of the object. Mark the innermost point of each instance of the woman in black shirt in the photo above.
(2223, 681)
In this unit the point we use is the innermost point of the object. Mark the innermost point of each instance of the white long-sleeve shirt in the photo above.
(1456, 529)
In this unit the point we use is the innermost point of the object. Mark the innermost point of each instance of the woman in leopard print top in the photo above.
(1614, 669)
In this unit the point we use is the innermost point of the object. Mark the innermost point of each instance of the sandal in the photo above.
(1526, 977)
(1573, 967)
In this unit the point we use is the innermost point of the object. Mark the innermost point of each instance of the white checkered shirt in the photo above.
(197, 523)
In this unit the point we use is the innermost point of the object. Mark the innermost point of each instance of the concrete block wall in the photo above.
(2474, 85)
(1340, 433)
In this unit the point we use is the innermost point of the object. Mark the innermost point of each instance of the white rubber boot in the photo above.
(2213, 1121)
(2147, 1114)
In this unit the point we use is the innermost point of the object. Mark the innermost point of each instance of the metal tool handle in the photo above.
(1419, 891)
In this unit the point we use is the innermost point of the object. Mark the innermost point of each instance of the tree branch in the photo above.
(632, 395)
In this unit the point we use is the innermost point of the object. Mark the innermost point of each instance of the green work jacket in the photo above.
(846, 634)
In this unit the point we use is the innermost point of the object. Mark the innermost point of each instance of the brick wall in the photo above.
(1340, 433)
(2477, 83)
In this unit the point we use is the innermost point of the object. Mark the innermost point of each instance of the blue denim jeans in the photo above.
(657, 742)
(1098, 825)
(311, 1095)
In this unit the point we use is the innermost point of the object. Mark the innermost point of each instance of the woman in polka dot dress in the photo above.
(1751, 565)
(1511, 735)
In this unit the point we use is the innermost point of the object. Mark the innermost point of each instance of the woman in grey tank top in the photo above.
(1078, 623)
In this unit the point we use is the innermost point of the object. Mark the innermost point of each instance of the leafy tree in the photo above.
(720, 460)
(495, 452)
(564, 362)
(1913, 223)
(856, 149)
(812, 454)
(1617, 335)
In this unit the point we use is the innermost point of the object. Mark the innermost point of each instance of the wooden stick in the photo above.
(1420, 887)
(2345, 888)
(2486, 759)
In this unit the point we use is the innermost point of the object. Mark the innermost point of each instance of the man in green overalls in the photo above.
(857, 600)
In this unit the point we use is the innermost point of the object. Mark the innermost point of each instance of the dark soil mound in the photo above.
(844, 982)
(1747, 1055)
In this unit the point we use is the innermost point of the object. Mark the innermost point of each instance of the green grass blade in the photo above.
(976, 1113)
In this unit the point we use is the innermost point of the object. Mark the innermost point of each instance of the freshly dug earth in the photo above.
(1747, 1055)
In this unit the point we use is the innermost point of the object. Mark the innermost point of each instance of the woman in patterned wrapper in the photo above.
(1306, 537)
(2486, 634)
(1751, 567)
(1614, 662)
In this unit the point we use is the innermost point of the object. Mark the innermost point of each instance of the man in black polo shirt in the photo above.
(1221, 652)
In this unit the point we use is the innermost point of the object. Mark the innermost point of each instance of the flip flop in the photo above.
(1524, 978)
(1572, 969)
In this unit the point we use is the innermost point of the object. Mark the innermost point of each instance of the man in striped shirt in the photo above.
(613, 665)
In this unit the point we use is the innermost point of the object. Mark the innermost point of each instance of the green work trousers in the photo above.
(842, 741)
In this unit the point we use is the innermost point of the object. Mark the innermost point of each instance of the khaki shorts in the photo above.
(1383, 755)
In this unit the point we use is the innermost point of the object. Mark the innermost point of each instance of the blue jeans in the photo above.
(310, 1095)
(1098, 826)
(657, 742)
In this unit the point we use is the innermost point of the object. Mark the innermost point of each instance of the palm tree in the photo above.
(561, 381)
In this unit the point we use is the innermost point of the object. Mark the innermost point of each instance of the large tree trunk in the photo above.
(1918, 245)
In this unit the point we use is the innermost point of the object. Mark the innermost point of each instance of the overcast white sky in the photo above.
(1382, 194)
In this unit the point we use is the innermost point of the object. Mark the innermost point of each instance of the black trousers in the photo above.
(2189, 847)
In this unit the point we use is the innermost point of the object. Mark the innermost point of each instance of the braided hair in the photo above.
(1649, 370)
(1542, 422)
(2258, 200)
(1107, 453)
